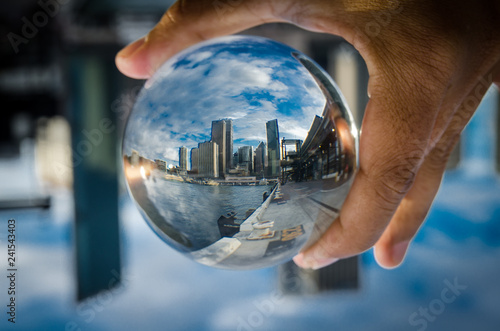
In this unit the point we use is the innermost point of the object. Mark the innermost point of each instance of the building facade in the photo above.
(208, 159)
(222, 134)
(183, 158)
(161, 165)
(194, 159)
(273, 148)
(260, 161)
(246, 158)
(229, 144)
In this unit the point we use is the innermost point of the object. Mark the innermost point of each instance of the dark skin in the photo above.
(430, 63)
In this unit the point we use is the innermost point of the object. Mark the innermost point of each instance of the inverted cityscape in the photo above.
(246, 159)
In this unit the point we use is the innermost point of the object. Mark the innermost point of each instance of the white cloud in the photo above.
(200, 56)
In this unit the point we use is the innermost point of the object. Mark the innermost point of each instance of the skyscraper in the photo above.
(222, 134)
(183, 158)
(194, 159)
(246, 159)
(219, 137)
(208, 159)
(273, 147)
(260, 162)
(229, 144)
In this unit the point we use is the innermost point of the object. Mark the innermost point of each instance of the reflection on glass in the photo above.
(239, 152)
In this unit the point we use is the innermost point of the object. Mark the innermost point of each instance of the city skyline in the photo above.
(209, 159)
(321, 153)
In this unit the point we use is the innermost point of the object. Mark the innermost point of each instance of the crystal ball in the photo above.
(239, 152)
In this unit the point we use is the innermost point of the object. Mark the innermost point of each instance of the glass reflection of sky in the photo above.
(265, 83)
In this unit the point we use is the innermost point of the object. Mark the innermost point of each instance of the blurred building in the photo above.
(161, 165)
(53, 162)
(134, 158)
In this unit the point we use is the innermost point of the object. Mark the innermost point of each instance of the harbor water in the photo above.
(194, 209)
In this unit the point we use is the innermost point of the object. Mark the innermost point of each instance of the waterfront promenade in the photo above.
(297, 212)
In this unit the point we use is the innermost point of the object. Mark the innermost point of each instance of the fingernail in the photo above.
(307, 262)
(399, 251)
(131, 48)
(299, 260)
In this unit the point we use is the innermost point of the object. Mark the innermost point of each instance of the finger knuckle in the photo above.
(395, 176)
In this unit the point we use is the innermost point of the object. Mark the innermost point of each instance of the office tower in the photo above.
(183, 158)
(194, 159)
(229, 144)
(260, 162)
(222, 134)
(245, 154)
(208, 159)
(219, 137)
(273, 148)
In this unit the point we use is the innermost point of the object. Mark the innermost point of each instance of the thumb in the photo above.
(187, 23)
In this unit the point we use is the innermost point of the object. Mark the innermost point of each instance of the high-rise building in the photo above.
(260, 162)
(208, 159)
(222, 134)
(273, 147)
(183, 158)
(229, 144)
(194, 159)
(246, 159)
(219, 137)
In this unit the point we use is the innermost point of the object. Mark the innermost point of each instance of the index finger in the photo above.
(186, 23)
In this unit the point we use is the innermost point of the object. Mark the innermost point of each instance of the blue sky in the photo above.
(246, 79)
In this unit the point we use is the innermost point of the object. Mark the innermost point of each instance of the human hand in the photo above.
(430, 63)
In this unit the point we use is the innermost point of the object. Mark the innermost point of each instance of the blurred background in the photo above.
(86, 260)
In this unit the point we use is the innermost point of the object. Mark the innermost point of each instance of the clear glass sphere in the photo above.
(239, 152)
